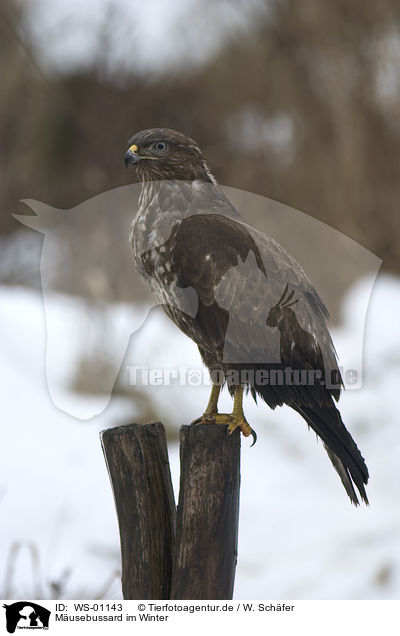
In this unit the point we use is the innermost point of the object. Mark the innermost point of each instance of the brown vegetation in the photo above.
(294, 110)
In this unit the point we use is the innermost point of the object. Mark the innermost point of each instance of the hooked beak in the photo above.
(131, 157)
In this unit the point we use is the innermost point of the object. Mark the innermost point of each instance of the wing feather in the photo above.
(240, 271)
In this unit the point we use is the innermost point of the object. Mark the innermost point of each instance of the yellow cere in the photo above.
(134, 148)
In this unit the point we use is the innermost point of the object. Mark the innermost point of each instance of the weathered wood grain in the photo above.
(137, 461)
(208, 512)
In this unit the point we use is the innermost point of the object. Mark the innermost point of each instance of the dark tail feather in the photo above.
(343, 474)
(340, 446)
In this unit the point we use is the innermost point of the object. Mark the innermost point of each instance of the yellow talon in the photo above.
(243, 425)
(233, 420)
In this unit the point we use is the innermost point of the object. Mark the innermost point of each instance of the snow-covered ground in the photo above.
(299, 536)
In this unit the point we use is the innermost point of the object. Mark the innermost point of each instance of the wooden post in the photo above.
(201, 563)
(208, 513)
(137, 461)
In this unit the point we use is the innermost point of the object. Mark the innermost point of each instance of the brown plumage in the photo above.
(236, 292)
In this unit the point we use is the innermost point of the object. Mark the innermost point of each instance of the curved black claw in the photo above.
(254, 436)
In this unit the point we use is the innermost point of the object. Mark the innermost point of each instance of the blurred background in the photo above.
(295, 101)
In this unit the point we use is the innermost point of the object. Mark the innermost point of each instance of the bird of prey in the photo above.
(259, 324)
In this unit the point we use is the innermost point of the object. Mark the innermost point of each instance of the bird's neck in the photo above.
(147, 194)
(183, 197)
(186, 171)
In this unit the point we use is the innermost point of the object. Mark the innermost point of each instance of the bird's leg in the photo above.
(238, 417)
(212, 406)
(233, 420)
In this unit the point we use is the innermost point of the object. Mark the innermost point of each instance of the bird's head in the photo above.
(160, 154)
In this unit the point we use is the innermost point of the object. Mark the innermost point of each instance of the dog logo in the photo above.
(26, 615)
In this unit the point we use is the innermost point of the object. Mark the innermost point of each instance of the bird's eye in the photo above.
(160, 146)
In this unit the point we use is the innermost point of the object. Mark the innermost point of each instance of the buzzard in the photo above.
(259, 324)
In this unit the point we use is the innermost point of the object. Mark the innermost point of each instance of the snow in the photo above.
(299, 537)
